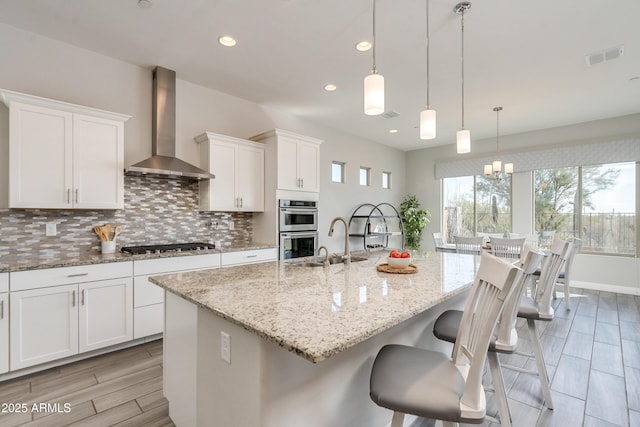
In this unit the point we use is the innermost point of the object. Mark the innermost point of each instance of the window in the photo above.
(337, 171)
(386, 179)
(595, 203)
(365, 176)
(475, 206)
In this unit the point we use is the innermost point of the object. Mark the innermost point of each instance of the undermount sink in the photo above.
(333, 259)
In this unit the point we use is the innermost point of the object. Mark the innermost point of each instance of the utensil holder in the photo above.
(108, 247)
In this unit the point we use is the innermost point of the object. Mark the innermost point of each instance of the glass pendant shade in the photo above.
(488, 169)
(463, 141)
(508, 168)
(497, 166)
(427, 124)
(373, 94)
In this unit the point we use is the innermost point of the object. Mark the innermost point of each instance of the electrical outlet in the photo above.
(50, 229)
(225, 347)
(232, 225)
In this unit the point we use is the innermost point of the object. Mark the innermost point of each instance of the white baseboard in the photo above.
(604, 287)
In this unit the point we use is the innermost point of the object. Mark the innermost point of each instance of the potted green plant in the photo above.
(414, 219)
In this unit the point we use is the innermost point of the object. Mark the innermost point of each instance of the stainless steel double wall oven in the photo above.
(298, 228)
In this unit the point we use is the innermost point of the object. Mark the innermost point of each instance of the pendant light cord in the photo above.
(373, 71)
(462, 62)
(428, 41)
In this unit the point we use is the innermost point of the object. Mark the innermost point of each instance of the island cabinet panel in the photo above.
(239, 169)
(64, 156)
(4, 332)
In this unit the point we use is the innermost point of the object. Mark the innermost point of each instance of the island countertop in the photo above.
(318, 312)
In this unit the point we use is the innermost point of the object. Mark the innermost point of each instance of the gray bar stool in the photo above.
(430, 384)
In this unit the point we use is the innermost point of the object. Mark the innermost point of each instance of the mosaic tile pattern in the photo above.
(157, 210)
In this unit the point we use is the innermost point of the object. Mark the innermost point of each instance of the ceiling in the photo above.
(528, 57)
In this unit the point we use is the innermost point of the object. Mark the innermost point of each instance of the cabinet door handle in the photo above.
(252, 256)
(2, 309)
(301, 182)
(240, 201)
(68, 195)
(82, 297)
(76, 195)
(77, 275)
(73, 298)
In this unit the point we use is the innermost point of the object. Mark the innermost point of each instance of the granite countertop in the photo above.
(27, 261)
(318, 312)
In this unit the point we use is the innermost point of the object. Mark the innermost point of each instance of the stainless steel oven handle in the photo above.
(299, 210)
(299, 234)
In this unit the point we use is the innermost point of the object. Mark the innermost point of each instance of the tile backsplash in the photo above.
(157, 210)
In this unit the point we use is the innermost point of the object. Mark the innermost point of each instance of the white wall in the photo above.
(590, 270)
(44, 67)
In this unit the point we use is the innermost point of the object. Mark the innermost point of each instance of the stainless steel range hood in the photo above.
(163, 160)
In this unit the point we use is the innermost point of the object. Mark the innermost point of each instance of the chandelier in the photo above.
(495, 168)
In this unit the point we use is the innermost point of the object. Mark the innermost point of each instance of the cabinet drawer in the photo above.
(249, 257)
(4, 282)
(145, 292)
(148, 320)
(181, 263)
(46, 277)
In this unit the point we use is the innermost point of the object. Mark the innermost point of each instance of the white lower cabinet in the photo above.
(105, 313)
(70, 316)
(251, 256)
(4, 332)
(148, 299)
(44, 325)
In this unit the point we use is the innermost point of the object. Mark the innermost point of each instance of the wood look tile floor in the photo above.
(592, 353)
(123, 389)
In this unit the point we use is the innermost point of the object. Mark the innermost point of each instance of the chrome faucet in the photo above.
(346, 257)
(325, 263)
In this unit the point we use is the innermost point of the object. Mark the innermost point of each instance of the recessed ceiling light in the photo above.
(330, 87)
(363, 46)
(145, 3)
(227, 41)
(393, 130)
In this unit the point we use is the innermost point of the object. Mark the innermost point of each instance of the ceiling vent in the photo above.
(390, 114)
(604, 55)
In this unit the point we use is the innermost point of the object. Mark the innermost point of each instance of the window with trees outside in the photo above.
(595, 203)
(475, 206)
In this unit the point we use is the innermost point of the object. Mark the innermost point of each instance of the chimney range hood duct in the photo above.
(163, 160)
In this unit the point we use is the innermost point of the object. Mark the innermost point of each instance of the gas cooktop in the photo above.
(175, 247)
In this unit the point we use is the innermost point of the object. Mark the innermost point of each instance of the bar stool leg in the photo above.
(499, 389)
(397, 420)
(542, 369)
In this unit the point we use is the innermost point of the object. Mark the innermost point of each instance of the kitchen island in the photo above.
(301, 339)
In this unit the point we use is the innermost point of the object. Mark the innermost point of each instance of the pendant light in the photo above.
(495, 168)
(427, 116)
(374, 82)
(463, 136)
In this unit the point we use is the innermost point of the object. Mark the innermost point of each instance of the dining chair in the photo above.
(564, 277)
(507, 248)
(468, 245)
(431, 384)
(538, 307)
(437, 240)
(531, 240)
(505, 338)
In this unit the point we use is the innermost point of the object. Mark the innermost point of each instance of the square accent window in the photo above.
(337, 171)
(386, 179)
(365, 176)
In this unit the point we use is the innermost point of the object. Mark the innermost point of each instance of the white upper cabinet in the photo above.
(64, 156)
(238, 165)
(298, 160)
